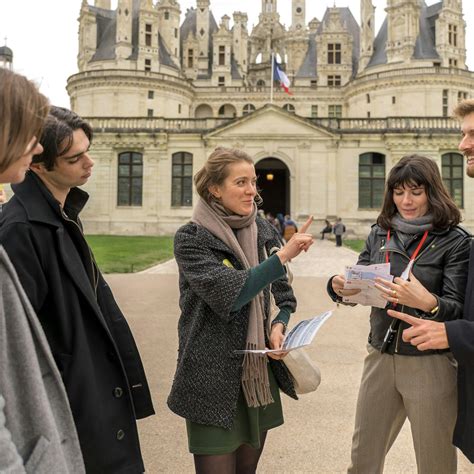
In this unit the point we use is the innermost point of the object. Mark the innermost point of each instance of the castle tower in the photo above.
(202, 34)
(298, 15)
(222, 54)
(451, 35)
(168, 26)
(403, 19)
(367, 23)
(6, 57)
(87, 36)
(123, 43)
(148, 52)
(269, 6)
(240, 41)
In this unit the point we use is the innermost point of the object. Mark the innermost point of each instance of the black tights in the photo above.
(243, 460)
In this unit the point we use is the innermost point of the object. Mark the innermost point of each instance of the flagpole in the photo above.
(271, 82)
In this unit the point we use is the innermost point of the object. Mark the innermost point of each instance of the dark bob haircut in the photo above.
(417, 171)
(57, 138)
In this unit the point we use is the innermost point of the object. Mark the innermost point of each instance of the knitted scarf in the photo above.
(221, 223)
(412, 226)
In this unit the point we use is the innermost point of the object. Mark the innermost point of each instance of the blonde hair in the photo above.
(23, 110)
(465, 107)
(216, 170)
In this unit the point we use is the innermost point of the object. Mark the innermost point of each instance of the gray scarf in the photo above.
(412, 226)
(220, 222)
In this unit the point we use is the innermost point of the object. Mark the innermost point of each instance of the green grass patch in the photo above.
(355, 244)
(123, 254)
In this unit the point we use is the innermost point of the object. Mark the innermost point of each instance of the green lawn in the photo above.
(122, 254)
(356, 245)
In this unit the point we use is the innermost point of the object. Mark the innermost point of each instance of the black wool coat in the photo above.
(461, 340)
(88, 334)
(208, 375)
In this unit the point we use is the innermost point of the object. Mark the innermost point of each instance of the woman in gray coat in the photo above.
(37, 432)
(229, 400)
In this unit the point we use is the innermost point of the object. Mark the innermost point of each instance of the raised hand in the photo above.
(299, 241)
(409, 293)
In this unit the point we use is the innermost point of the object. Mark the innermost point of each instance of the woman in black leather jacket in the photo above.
(417, 228)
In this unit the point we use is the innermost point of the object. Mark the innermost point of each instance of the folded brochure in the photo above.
(301, 335)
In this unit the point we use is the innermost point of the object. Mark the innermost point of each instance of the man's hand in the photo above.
(423, 334)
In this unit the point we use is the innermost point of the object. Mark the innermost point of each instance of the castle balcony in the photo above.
(402, 125)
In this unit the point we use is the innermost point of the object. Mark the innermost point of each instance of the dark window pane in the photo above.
(364, 171)
(188, 159)
(188, 170)
(177, 170)
(137, 158)
(124, 170)
(124, 158)
(137, 170)
(365, 159)
(457, 172)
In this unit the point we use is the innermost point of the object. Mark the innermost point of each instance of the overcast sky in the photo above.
(43, 33)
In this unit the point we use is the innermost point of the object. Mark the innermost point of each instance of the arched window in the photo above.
(452, 172)
(203, 111)
(248, 108)
(182, 179)
(130, 179)
(371, 180)
(289, 108)
(258, 58)
(227, 110)
(260, 83)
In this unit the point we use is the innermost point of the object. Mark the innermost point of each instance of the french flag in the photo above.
(281, 77)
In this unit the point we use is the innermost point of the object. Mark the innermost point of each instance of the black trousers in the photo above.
(338, 240)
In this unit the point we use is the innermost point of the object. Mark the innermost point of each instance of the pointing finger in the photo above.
(405, 317)
(306, 225)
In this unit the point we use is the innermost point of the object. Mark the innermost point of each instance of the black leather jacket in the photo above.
(441, 266)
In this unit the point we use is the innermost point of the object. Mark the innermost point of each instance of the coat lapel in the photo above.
(75, 268)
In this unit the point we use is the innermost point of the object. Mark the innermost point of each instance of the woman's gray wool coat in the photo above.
(208, 374)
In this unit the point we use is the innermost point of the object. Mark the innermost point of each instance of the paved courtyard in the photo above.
(316, 436)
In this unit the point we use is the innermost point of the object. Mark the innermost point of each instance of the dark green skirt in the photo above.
(249, 424)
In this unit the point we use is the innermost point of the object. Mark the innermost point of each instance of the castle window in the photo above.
(452, 172)
(221, 55)
(462, 96)
(445, 102)
(314, 83)
(148, 31)
(334, 81)
(248, 108)
(190, 57)
(453, 62)
(289, 108)
(453, 35)
(394, 99)
(150, 113)
(368, 114)
(176, 32)
(221, 81)
(151, 94)
(182, 179)
(368, 98)
(260, 83)
(167, 15)
(335, 111)
(371, 180)
(179, 108)
(334, 53)
(314, 111)
(130, 179)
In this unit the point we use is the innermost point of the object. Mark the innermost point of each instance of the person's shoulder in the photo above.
(460, 232)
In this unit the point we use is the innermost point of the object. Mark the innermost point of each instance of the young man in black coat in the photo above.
(88, 334)
(457, 334)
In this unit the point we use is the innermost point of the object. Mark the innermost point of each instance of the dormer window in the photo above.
(167, 15)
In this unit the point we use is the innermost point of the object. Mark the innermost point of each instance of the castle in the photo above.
(163, 89)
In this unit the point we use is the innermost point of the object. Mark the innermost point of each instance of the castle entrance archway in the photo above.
(274, 185)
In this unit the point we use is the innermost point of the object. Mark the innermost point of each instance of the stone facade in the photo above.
(162, 95)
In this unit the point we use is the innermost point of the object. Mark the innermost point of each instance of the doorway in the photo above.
(274, 185)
